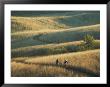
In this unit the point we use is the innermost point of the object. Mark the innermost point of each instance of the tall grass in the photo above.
(37, 40)
(80, 64)
(74, 34)
(34, 23)
(49, 49)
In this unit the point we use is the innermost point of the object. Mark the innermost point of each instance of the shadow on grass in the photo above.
(70, 68)
(74, 68)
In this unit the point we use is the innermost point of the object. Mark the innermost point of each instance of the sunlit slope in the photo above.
(49, 49)
(34, 23)
(73, 34)
(23, 39)
(38, 38)
(63, 20)
(85, 63)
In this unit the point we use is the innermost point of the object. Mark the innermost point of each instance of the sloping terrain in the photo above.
(39, 38)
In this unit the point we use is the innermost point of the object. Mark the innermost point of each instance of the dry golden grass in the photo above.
(31, 37)
(49, 45)
(73, 34)
(48, 49)
(74, 43)
(31, 70)
(83, 63)
(16, 36)
(35, 23)
(50, 32)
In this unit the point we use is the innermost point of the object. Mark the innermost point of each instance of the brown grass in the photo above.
(31, 70)
(83, 63)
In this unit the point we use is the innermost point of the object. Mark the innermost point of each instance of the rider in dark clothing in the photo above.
(65, 62)
(57, 61)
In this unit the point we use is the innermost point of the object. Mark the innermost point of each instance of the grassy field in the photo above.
(49, 49)
(81, 63)
(67, 35)
(39, 38)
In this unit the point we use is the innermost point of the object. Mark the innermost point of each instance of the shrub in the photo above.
(88, 43)
(88, 39)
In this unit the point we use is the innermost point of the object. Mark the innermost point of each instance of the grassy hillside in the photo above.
(59, 20)
(81, 19)
(60, 36)
(34, 23)
(80, 64)
(73, 34)
(50, 49)
(38, 38)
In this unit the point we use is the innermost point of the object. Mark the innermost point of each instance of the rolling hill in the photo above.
(39, 38)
